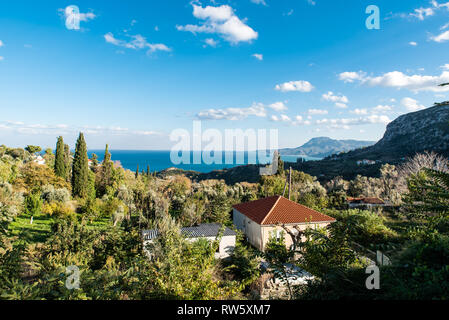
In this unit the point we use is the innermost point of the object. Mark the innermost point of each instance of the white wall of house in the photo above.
(251, 229)
(227, 246)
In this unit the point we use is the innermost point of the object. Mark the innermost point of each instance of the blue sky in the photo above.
(137, 70)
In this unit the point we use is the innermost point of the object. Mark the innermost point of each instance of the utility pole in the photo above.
(289, 183)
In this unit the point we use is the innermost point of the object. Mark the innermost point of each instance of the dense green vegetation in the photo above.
(67, 213)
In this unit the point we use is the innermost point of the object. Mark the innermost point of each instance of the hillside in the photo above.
(425, 130)
(323, 147)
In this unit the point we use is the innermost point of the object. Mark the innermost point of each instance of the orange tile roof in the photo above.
(279, 210)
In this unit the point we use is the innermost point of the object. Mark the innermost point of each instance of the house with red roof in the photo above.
(261, 219)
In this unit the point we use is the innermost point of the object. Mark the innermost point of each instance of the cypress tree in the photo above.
(148, 170)
(80, 169)
(137, 171)
(68, 167)
(60, 168)
(107, 168)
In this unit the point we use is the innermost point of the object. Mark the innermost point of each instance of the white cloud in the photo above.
(280, 118)
(314, 112)
(1, 43)
(341, 105)
(381, 109)
(138, 42)
(258, 56)
(278, 106)
(441, 37)
(351, 76)
(415, 83)
(211, 42)
(411, 104)
(109, 37)
(2, 58)
(233, 114)
(262, 2)
(220, 20)
(421, 13)
(256, 109)
(360, 111)
(344, 123)
(413, 43)
(330, 96)
(445, 67)
(43, 129)
(302, 86)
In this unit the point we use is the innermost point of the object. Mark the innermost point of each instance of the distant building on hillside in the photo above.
(366, 162)
(261, 219)
(368, 202)
(208, 231)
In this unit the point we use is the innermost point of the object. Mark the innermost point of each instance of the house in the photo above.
(261, 219)
(367, 202)
(208, 231)
(39, 160)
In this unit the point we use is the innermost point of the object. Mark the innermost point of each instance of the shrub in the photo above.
(50, 194)
(33, 176)
(10, 202)
(59, 210)
(33, 204)
(91, 209)
(364, 227)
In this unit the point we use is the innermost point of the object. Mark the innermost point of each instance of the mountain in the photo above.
(425, 130)
(323, 147)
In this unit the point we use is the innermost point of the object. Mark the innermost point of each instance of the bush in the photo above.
(59, 210)
(244, 264)
(10, 204)
(364, 227)
(33, 204)
(91, 209)
(50, 194)
(33, 176)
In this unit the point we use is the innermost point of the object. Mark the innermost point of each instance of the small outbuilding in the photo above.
(367, 202)
(209, 231)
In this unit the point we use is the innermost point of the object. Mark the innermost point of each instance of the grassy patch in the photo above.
(40, 230)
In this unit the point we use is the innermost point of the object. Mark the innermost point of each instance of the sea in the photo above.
(161, 160)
